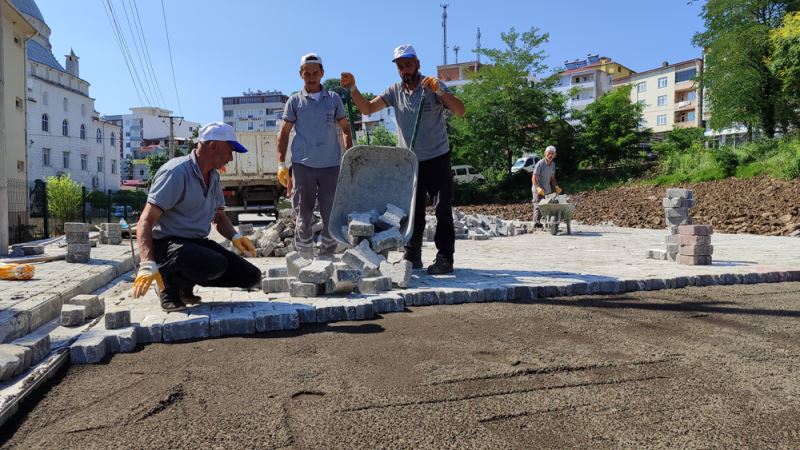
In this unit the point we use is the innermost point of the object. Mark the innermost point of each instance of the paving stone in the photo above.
(40, 309)
(363, 258)
(295, 262)
(275, 285)
(38, 343)
(685, 239)
(13, 324)
(360, 225)
(76, 227)
(399, 272)
(392, 217)
(678, 202)
(656, 254)
(306, 313)
(120, 340)
(14, 359)
(80, 258)
(695, 260)
(680, 193)
(387, 240)
(73, 315)
(317, 272)
(230, 322)
(179, 326)
(118, 317)
(343, 280)
(277, 272)
(95, 306)
(88, 349)
(300, 289)
(375, 285)
(671, 239)
(677, 216)
(696, 230)
(672, 229)
(698, 250)
(150, 328)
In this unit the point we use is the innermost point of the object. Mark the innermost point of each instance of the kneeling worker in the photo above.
(185, 198)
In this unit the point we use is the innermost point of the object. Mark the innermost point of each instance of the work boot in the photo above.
(441, 266)
(188, 297)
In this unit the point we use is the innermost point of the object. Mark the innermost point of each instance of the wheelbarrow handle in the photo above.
(416, 120)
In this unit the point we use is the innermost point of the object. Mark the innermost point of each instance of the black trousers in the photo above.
(184, 263)
(434, 179)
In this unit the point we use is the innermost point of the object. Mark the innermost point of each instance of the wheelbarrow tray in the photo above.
(371, 176)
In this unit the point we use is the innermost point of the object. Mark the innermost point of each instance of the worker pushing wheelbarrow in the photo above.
(555, 209)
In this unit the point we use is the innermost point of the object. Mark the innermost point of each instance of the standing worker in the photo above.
(434, 176)
(544, 182)
(316, 153)
(186, 196)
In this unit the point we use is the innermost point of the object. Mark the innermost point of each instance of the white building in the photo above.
(150, 125)
(254, 110)
(383, 118)
(585, 80)
(65, 133)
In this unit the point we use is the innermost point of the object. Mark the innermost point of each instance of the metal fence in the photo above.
(30, 217)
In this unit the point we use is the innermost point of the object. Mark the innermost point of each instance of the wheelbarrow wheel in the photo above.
(569, 228)
(554, 228)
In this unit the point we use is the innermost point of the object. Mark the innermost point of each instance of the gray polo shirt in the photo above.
(545, 172)
(316, 142)
(432, 135)
(188, 204)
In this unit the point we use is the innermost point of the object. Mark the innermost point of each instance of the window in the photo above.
(65, 159)
(662, 82)
(250, 125)
(127, 145)
(46, 157)
(66, 103)
(141, 172)
(45, 122)
(690, 116)
(471, 171)
(84, 161)
(691, 96)
(65, 128)
(662, 100)
(641, 87)
(113, 166)
(99, 164)
(227, 113)
(99, 136)
(461, 171)
(685, 75)
(83, 132)
(661, 119)
(113, 139)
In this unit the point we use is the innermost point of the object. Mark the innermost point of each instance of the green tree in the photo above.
(333, 85)
(609, 130)
(63, 197)
(785, 62)
(507, 112)
(380, 136)
(98, 199)
(740, 86)
(154, 162)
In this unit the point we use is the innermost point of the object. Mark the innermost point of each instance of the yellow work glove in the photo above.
(283, 174)
(348, 81)
(243, 244)
(433, 84)
(558, 189)
(148, 271)
(540, 191)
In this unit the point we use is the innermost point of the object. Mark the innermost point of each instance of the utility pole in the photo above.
(444, 32)
(3, 151)
(478, 44)
(171, 133)
(456, 48)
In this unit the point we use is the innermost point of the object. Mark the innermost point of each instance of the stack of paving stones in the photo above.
(695, 247)
(81, 308)
(110, 233)
(476, 227)
(78, 245)
(114, 334)
(370, 265)
(676, 212)
(277, 239)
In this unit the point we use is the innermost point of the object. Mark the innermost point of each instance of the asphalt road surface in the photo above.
(696, 367)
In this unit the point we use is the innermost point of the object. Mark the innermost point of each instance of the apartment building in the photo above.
(254, 110)
(150, 125)
(585, 80)
(457, 74)
(669, 95)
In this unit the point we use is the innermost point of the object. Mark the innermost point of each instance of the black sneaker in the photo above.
(441, 266)
(188, 297)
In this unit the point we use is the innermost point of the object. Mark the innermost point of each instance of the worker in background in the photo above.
(314, 113)
(434, 176)
(543, 182)
(185, 198)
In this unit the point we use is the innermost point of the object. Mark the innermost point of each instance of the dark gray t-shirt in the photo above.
(545, 173)
(189, 206)
(316, 142)
(432, 135)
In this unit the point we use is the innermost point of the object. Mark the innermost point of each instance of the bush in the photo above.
(63, 198)
(98, 199)
(726, 159)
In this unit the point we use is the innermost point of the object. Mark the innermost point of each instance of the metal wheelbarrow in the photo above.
(556, 209)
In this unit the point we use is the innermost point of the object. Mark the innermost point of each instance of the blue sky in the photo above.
(221, 48)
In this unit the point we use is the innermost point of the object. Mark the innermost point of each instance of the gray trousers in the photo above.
(311, 186)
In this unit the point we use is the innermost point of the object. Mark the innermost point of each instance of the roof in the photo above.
(589, 68)
(28, 7)
(650, 71)
(42, 55)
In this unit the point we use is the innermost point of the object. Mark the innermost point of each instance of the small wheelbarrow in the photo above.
(556, 209)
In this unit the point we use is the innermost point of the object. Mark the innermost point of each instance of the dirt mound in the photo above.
(759, 205)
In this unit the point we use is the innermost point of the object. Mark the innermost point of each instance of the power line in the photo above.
(147, 53)
(126, 51)
(135, 39)
(169, 47)
(119, 43)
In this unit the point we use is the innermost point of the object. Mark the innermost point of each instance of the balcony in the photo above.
(686, 124)
(684, 105)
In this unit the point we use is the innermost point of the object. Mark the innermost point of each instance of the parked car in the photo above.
(525, 163)
(118, 211)
(467, 174)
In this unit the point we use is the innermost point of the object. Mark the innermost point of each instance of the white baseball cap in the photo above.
(404, 51)
(550, 148)
(218, 131)
(311, 58)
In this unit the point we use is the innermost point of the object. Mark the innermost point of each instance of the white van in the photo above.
(467, 174)
(525, 163)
